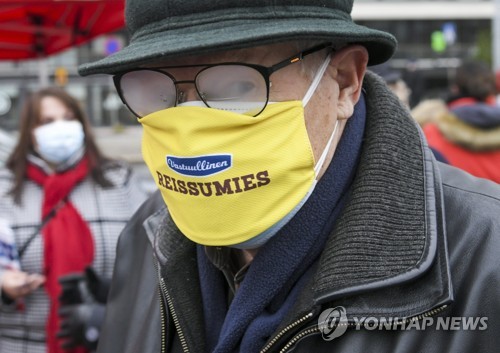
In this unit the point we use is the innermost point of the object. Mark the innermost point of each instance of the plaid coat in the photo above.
(105, 209)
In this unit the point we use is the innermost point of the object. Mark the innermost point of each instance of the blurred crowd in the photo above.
(462, 129)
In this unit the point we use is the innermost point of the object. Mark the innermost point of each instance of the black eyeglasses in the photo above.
(232, 86)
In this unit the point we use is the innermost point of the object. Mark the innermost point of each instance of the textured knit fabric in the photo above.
(106, 211)
(380, 227)
(68, 244)
(260, 305)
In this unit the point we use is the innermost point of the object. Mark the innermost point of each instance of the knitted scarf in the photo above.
(68, 244)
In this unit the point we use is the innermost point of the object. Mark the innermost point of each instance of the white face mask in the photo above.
(58, 141)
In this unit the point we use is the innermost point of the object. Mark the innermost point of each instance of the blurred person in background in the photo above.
(497, 85)
(65, 205)
(394, 81)
(466, 128)
(6, 145)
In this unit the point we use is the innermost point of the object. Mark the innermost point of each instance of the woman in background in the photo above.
(66, 205)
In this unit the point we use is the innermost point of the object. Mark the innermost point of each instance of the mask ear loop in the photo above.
(305, 100)
(321, 159)
(316, 80)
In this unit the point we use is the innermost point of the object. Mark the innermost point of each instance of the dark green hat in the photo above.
(163, 29)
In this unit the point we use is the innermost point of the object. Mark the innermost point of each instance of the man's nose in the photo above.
(187, 92)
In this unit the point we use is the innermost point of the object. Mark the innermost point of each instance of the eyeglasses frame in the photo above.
(265, 71)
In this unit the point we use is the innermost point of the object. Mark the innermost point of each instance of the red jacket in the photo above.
(484, 164)
(468, 136)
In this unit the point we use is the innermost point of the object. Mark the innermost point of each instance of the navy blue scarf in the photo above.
(282, 266)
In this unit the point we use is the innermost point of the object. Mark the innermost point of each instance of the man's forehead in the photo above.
(263, 55)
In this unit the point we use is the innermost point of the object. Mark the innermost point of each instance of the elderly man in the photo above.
(304, 210)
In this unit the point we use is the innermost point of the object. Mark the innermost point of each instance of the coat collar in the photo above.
(387, 254)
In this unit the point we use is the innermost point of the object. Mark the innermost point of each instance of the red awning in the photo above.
(38, 28)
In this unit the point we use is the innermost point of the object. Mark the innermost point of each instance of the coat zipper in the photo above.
(163, 313)
(163, 319)
(175, 318)
(162, 288)
(315, 328)
(285, 330)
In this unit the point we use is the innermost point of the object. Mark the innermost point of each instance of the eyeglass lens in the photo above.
(146, 91)
(237, 88)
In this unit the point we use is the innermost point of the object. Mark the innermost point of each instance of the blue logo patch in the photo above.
(200, 166)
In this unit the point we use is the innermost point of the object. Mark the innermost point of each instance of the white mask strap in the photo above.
(321, 159)
(316, 80)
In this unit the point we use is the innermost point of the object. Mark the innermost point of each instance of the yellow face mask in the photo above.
(229, 179)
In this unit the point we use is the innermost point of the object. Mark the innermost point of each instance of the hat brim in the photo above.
(160, 42)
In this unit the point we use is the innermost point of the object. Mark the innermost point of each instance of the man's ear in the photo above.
(349, 67)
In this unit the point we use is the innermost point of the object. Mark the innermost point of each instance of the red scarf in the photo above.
(68, 244)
